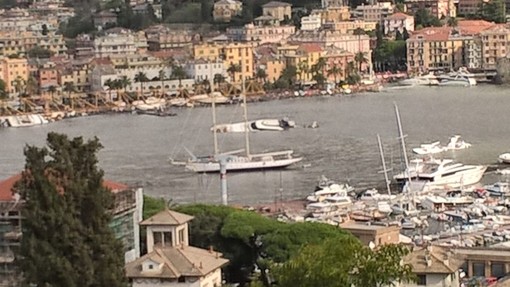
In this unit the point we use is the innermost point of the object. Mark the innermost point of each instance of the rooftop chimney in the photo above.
(211, 249)
(428, 260)
(201, 265)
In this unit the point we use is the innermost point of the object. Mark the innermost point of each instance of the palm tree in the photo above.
(141, 78)
(162, 77)
(318, 68)
(179, 73)
(352, 74)
(233, 69)
(69, 88)
(111, 85)
(302, 69)
(261, 74)
(31, 86)
(3, 92)
(19, 84)
(124, 82)
(218, 79)
(334, 71)
(452, 22)
(361, 59)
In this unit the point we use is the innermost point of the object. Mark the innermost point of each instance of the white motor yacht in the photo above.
(374, 195)
(448, 174)
(423, 80)
(431, 148)
(460, 78)
(498, 188)
(333, 190)
(217, 97)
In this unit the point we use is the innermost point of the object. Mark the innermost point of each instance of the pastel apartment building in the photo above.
(160, 37)
(170, 260)
(398, 22)
(231, 53)
(342, 41)
(373, 13)
(224, 10)
(14, 72)
(332, 14)
(468, 7)
(118, 41)
(19, 43)
(495, 45)
(437, 8)
(278, 10)
(202, 70)
(261, 33)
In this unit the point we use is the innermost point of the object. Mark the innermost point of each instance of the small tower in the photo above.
(167, 229)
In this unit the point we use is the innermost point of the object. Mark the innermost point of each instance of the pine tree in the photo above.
(66, 238)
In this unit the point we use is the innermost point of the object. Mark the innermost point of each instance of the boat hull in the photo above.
(214, 166)
(457, 180)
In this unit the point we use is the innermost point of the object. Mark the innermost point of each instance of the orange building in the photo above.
(14, 72)
(48, 76)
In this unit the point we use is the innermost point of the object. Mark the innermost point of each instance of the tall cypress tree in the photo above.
(66, 238)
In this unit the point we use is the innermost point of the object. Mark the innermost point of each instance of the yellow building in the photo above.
(240, 54)
(436, 48)
(224, 10)
(494, 45)
(14, 73)
(207, 51)
(333, 14)
(278, 10)
(19, 43)
(348, 27)
(305, 57)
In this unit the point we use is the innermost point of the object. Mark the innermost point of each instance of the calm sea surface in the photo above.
(344, 147)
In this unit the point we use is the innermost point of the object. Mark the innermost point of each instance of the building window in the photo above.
(181, 279)
(421, 280)
(162, 238)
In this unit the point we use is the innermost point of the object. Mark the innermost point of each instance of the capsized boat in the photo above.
(456, 143)
(20, 121)
(256, 125)
(431, 148)
(504, 157)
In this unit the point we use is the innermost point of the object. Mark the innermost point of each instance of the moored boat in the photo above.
(27, 120)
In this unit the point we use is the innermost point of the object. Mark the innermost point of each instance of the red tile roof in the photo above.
(432, 34)
(473, 27)
(310, 48)
(399, 16)
(7, 185)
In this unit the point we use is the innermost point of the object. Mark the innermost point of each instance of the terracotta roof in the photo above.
(432, 34)
(433, 259)
(473, 27)
(7, 185)
(276, 4)
(176, 262)
(310, 48)
(167, 217)
(497, 28)
(399, 16)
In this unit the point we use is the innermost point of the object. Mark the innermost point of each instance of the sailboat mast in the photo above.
(243, 91)
(215, 133)
(406, 160)
(384, 165)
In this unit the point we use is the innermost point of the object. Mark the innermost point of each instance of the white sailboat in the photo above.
(257, 125)
(235, 162)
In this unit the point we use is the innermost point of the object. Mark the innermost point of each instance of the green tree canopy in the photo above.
(39, 52)
(66, 239)
(343, 261)
(3, 90)
(423, 18)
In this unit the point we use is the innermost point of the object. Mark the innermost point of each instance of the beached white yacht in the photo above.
(257, 125)
(460, 78)
(447, 174)
(151, 103)
(373, 195)
(430, 148)
(20, 121)
(423, 80)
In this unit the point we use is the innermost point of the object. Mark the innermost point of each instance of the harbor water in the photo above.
(343, 148)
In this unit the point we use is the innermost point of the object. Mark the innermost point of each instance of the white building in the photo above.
(170, 260)
(398, 21)
(333, 3)
(311, 22)
(201, 70)
(120, 42)
(377, 12)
